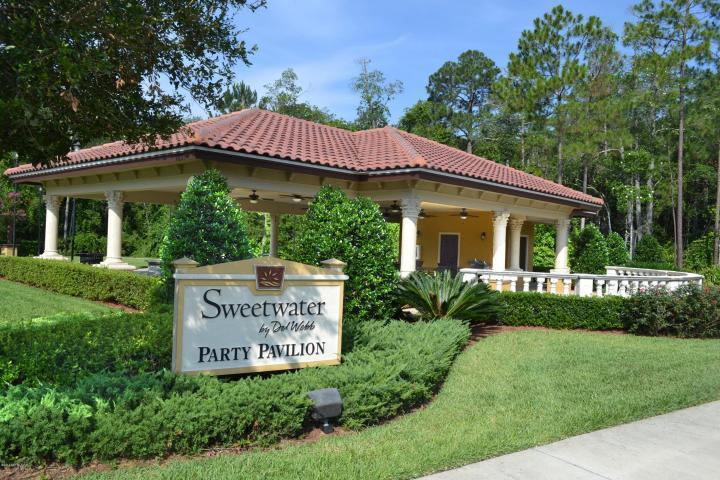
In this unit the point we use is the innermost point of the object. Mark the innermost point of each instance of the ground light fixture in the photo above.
(327, 404)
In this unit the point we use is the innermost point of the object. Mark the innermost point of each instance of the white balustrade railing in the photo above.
(622, 281)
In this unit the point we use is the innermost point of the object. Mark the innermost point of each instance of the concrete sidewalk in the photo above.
(680, 445)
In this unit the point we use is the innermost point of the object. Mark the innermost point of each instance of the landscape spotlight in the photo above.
(327, 404)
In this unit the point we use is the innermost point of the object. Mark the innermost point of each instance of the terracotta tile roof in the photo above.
(274, 135)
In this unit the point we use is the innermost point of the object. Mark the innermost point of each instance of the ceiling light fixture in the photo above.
(296, 198)
(463, 214)
(395, 208)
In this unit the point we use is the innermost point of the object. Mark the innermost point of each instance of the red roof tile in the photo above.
(274, 135)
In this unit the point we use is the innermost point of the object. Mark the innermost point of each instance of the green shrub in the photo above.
(84, 281)
(354, 231)
(649, 250)
(618, 254)
(393, 368)
(207, 226)
(64, 348)
(445, 295)
(89, 242)
(712, 275)
(689, 311)
(590, 252)
(699, 253)
(27, 248)
(557, 311)
(544, 247)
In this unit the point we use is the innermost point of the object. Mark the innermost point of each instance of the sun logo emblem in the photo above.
(269, 277)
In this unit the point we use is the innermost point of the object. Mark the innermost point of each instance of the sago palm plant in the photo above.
(445, 295)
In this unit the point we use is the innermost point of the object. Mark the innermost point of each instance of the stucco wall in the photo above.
(470, 231)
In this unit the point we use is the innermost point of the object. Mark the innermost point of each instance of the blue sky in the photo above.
(407, 40)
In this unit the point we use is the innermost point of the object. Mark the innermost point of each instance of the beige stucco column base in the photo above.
(52, 256)
(115, 264)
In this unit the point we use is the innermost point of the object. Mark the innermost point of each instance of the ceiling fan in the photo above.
(296, 198)
(463, 214)
(422, 214)
(254, 197)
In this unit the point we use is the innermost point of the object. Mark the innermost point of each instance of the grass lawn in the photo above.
(21, 302)
(509, 392)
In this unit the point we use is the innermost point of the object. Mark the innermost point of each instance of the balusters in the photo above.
(513, 284)
(526, 283)
(599, 287)
(553, 285)
(567, 284)
(540, 284)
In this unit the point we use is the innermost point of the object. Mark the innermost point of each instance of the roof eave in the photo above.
(35, 176)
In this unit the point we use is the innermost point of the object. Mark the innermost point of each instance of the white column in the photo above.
(561, 246)
(408, 244)
(516, 224)
(52, 214)
(113, 259)
(274, 233)
(500, 221)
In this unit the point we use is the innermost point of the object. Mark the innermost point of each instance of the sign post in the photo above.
(256, 315)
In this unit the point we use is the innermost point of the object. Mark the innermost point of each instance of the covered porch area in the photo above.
(455, 210)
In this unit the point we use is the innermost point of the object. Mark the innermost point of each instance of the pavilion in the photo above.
(453, 207)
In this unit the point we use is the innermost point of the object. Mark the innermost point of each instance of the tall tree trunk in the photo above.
(680, 249)
(648, 227)
(716, 250)
(584, 186)
(522, 145)
(560, 161)
(638, 209)
(630, 228)
(67, 216)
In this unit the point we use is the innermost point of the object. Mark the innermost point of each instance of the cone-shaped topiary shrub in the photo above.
(618, 254)
(590, 252)
(354, 231)
(207, 226)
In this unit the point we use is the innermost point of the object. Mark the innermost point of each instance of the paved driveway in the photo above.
(680, 445)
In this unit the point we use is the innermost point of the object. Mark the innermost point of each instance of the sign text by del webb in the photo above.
(257, 315)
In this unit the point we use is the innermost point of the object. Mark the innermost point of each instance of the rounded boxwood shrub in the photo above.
(207, 226)
(354, 231)
(618, 254)
(590, 252)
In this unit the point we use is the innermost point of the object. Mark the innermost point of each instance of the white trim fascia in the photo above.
(345, 171)
(478, 181)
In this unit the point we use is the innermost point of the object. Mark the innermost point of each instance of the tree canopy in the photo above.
(74, 71)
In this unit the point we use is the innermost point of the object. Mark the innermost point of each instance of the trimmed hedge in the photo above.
(557, 311)
(110, 414)
(84, 281)
(65, 348)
